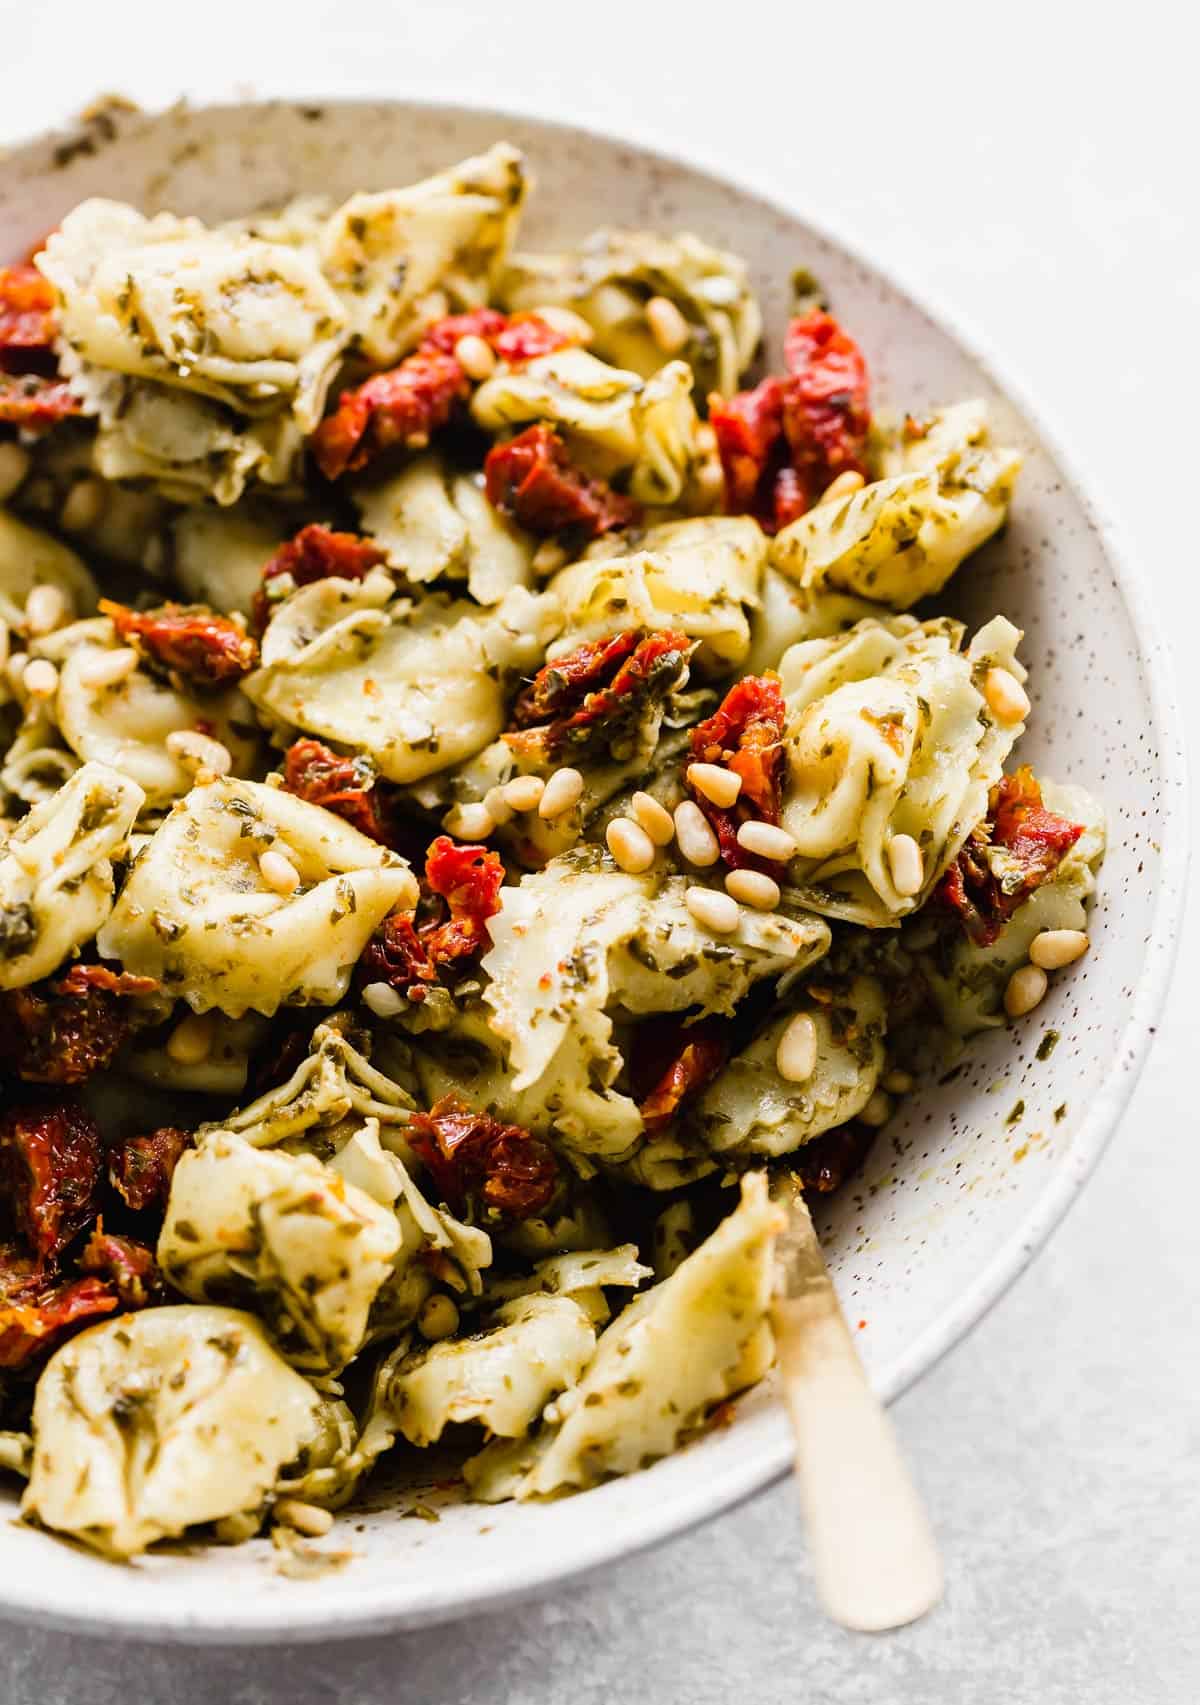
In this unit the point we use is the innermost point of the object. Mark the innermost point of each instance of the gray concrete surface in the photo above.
(1035, 168)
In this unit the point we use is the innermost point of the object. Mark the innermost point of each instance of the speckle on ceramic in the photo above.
(956, 1196)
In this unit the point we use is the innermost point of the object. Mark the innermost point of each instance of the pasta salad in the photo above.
(484, 776)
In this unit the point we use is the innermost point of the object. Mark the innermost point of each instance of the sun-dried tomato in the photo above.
(600, 691)
(533, 479)
(316, 553)
(526, 336)
(33, 402)
(37, 1311)
(469, 879)
(401, 408)
(826, 413)
(1006, 858)
(406, 955)
(32, 395)
(476, 1159)
(28, 313)
(50, 1039)
(49, 1173)
(64, 1031)
(140, 1168)
(671, 1062)
(444, 334)
(827, 1161)
(749, 429)
(745, 734)
(514, 340)
(346, 786)
(128, 1266)
(189, 640)
(785, 440)
(84, 979)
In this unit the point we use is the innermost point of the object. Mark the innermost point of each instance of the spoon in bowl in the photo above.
(874, 1556)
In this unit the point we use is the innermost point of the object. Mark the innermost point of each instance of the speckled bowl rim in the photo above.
(377, 1613)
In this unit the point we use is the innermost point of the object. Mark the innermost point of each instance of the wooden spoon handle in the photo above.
(874, 1557)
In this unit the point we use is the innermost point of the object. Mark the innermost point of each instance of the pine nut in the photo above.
(697, 843)
(767, 841)
(108, 668)
(199, 752)
(15, 462)
(567, 322)
(14, 670)
(654, 818)
(190, 1042)
(46, 608)
(496, 806)
(40, 679)
(753, 888)
(560, 793)
(1054, 948)
(309, 1519)
(796, 1055)
(668, 327)
(524, 793)
(548, 557)
(1007, 699)
(383, 1000)
(476, 358)
(716, 911)
(1026, 989)
(898, 1083)
(468, 822)
(845, 485)
(715, 782)
(83, 506)
(906, 865)
(278, 872)
(630, 845)
(438, 1317)
(878, 1110)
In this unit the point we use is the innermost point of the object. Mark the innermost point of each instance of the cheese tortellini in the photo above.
(669, 1355)
(416, 686)
(399, 259)
(900, 539)
(701, 577)
(126, 723)
(435, 523)
(251, 324)
(198, 914)
(127, 1414)
(751, 1109)
(56, 873)
(889, 733)
(617, 423)
(280, 1234)
(611, 277)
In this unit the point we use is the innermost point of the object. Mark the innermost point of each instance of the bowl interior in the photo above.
(963, 1185)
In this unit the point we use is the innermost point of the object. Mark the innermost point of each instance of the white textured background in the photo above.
(1036, 167)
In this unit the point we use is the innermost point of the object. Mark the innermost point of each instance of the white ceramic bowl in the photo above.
(962, 1188)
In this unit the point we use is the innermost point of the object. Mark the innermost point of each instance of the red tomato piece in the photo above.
(316, 553)
(475, 1158)
(403, 407)
(186, 639)
(49, 1173)
(533, 479)
(744, 734)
